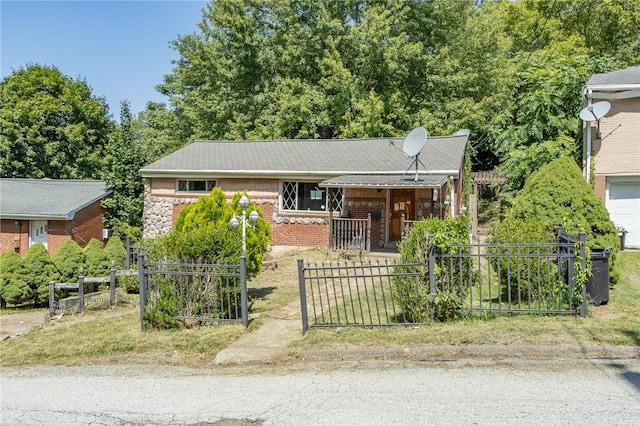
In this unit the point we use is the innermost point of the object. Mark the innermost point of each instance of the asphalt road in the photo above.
(581, 392)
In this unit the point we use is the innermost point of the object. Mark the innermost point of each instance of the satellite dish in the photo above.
(595, 111)
(414, 142)
(463, 132)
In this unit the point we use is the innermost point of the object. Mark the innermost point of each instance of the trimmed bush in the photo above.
(557, 195)
(68, 260)
(13, 288)
(116, 252)
(39, 270)
(96, 263)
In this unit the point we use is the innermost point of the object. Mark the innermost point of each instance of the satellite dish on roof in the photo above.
(414, 142)
(595, 111)
(463, 132)
(412, 145)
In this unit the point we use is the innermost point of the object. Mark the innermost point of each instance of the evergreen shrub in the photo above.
(13, 288)
(558, 195)
(39, 270)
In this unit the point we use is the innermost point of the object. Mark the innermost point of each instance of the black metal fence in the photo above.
(193, 291)
(465, 280)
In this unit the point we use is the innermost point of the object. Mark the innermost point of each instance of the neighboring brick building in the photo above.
(308, 189)
(50, 211)
(612, 147)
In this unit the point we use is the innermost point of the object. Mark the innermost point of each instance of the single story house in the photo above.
(50, 211)
(612, 146)
(315, 193)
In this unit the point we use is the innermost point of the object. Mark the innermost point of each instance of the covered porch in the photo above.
(377, 211)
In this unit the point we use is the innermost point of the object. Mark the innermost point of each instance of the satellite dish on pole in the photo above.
(413, 144)
(595, 111)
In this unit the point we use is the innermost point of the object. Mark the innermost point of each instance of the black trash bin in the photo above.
(598, 283)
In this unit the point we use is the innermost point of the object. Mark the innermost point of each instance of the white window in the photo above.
(308, 196)
(203, 186)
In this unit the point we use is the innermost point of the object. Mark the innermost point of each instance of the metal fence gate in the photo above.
(465, 280)
(194, 291)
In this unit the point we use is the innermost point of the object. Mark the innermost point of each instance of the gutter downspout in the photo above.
(587, 138)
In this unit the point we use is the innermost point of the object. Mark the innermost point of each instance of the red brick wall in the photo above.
(87, 224)
(12, 233)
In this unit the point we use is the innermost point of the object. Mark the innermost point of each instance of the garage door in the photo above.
(624, 208)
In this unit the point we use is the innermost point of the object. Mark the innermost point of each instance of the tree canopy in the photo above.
(51, 126)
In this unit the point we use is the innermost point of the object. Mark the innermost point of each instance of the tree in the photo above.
(13, 288)
(311, 69)
(39, 270)
(125, 158)
(50, 126)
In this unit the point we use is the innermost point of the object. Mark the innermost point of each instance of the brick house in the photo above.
(312, 190)
(612, 147)
(50, 211)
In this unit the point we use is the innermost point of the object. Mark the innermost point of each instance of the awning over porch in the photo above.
(385, 181)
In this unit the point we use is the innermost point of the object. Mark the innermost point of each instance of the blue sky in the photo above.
(121, 48)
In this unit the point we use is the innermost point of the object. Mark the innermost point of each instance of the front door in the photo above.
(401, 203)
(38, 232)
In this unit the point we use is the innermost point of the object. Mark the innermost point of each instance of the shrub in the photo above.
(416, 301)
(116, 252)
(13, 288)
(513, 243)
(557, 195)
(39, 270)
(96, 263)
(202, 233)
(68, 260)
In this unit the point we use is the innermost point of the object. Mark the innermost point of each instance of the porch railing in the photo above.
(405, 226)
(351, 234)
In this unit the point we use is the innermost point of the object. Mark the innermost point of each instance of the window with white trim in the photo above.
(203, 186)
(301, 196)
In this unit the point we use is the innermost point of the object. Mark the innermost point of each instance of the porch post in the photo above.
(329, 205)
(368, 246)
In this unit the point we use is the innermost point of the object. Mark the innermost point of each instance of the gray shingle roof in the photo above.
(314, 157)
(630, 75)
(48, 199)
(405, 181)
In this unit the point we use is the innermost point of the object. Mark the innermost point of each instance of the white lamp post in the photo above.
(253, 217)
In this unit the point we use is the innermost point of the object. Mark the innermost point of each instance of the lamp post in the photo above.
(253, 217)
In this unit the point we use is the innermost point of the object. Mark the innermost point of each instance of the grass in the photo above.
(114, 335)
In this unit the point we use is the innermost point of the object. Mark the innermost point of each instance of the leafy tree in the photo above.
(68, 260)
(50, 126)
(96, 262)
(13, 288)
(126, 158)
(557, 195)
(39, 270)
